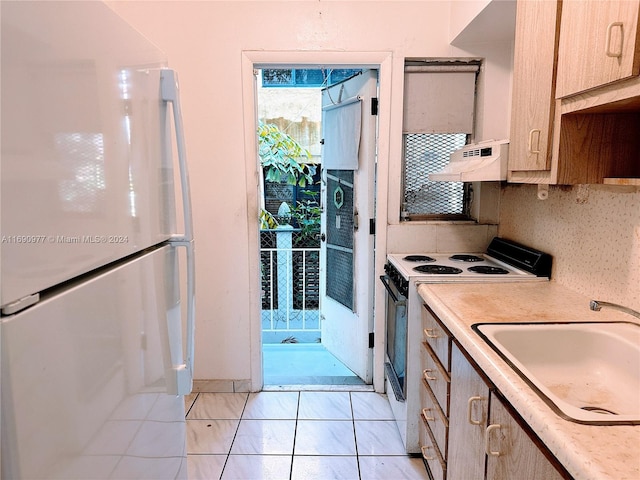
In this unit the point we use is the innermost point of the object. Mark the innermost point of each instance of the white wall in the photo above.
(205, 42)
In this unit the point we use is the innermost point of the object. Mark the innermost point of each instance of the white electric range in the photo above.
(504, 261)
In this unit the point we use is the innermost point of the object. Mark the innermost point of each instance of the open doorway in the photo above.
(316, 247)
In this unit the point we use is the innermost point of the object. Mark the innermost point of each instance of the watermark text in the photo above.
(64, 239)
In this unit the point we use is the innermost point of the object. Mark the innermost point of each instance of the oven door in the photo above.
(396, 339)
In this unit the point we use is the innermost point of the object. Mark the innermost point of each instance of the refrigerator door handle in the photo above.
(170, 94)
(184, 371)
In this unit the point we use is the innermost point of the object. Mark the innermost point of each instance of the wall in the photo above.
(204, 42)
(471, 30)
(593, 233)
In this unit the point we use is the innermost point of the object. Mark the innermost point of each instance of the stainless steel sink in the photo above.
(586, 372)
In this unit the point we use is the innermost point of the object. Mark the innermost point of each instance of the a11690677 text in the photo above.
(64, 239)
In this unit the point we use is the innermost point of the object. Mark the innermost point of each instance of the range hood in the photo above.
(484, 161)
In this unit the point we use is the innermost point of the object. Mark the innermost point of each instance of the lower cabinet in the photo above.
(511, 453)
(468, 420)
(481, 429)
(483, 437)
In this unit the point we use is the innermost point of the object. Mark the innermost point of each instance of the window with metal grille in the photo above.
(305, 77)
(438, 119)
(426, 153)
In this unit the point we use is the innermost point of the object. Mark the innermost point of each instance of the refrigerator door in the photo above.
(85, 375)
(87, 169)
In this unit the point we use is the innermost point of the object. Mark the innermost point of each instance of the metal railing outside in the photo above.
(290, 267)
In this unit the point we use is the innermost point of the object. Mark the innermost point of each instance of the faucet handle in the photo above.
(595, 305)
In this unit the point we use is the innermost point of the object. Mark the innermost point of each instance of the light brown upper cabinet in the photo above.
(598, 44)
(534, 71)
(576, 93)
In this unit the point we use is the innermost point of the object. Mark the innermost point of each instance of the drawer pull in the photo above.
(487, 440)
(427, 417)
(530, 147)
(426, 374)
(608, 49)
(470, 408)
(425, 449)
(428, 332)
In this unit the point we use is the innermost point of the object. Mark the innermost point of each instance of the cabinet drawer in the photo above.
(431, 455)
(435, 419)
(436, 378)
(437, 338)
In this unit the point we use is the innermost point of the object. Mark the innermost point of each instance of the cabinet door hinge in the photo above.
(372, 226)
(374, 106)
(371, 339)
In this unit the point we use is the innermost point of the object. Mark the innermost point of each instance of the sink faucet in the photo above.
(596, 305)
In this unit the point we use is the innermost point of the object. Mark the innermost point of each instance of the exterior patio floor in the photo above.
(304, 365)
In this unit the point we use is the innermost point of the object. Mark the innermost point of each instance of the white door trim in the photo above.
(383, 62)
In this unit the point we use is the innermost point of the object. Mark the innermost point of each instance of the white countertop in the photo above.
(586, 451)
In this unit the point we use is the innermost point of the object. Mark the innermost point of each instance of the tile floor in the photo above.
(295, 435)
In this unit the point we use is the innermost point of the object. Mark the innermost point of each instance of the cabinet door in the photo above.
(598, 44)
(534, 66)
(511, 452)
(467, 422)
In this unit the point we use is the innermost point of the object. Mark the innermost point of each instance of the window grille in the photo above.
(426, 153)
(305, 77)
(438, 119)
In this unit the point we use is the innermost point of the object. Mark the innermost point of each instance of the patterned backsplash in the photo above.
(592, 231)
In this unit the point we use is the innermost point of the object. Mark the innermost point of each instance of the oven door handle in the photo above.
(385, 281)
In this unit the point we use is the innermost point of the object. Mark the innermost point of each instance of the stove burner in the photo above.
(466, 258)
(485, 269)
(437, 269)
(419, 258)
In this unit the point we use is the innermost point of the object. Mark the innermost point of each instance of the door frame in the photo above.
(251, 60)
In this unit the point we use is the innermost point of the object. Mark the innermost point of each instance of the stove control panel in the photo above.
(401, 283)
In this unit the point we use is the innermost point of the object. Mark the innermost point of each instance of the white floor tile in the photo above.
(326, 437)
(396, 468)
(325, 406)
(271, 405)
(378, 437)
(254, 467)
(318, 427)
(370, 406)
(218, 406)
(210, 436)
(267, 437)
(325, 468)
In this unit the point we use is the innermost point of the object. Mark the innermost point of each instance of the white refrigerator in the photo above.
(97, 266)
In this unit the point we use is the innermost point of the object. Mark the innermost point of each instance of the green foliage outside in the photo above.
(280, 156)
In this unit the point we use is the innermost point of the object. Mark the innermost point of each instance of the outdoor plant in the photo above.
(280, 157)
(267, 220)
(307, 216)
